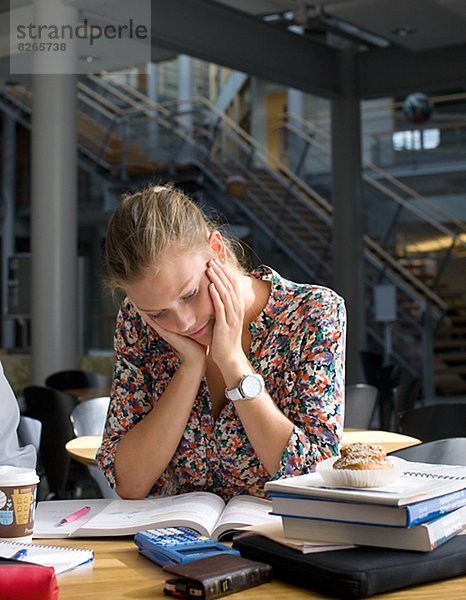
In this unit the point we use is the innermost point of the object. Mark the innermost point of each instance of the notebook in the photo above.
(61, 559)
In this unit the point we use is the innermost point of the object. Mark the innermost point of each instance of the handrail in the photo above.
(259, 150)
(407, 275)
(168, 115)
(373, 107)
(305, 137)
(100, 99)
(414, 194)
(325, 207)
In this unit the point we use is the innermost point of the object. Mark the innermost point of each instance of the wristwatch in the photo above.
(249, 387)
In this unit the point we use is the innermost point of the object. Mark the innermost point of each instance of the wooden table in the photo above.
(83, 394)
(118, 571)
(390, 440)
(84, 448)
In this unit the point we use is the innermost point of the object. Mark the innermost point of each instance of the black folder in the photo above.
(356, 572)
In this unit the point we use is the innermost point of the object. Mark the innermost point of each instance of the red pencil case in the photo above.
(24, 581)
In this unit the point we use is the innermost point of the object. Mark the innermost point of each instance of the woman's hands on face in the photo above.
(228, 305)
(191, 352)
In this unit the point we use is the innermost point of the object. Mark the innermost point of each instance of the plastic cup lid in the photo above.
(10, 476)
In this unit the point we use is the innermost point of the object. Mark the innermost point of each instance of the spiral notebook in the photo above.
(61, 559)
(417, 481)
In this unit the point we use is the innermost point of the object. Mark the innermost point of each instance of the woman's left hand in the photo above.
(228, 304)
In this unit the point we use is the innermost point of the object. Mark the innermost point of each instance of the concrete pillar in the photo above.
(54, 212)
(296, 144)
(8, 219)
(185, 87)
(152, 93)
(348, 228)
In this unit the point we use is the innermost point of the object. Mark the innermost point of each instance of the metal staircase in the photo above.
(395, 209)
(123, 135)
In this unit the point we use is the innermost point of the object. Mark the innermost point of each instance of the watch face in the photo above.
(252, 386)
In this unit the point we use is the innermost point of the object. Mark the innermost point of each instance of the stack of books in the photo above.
(422, 509)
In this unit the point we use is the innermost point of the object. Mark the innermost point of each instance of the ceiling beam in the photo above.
(397, 72)
(217, 33)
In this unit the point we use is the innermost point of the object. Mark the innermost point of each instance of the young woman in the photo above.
(223, 379)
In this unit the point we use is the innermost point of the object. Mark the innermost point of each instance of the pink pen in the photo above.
(75, 515)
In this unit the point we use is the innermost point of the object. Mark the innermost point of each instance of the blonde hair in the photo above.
(145, 224)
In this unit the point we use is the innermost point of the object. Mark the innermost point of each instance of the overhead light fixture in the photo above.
(89, 58)
(404, 30)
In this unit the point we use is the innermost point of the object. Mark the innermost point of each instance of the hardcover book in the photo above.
(220, 575)
(362, 512)
(423, 538)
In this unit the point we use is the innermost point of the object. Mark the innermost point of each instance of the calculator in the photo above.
(174, 545)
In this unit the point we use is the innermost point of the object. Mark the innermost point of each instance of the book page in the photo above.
(198, 510)
(274, 532)
(50, 513)
(244, 510)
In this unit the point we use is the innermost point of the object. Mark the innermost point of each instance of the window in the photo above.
(417, 139)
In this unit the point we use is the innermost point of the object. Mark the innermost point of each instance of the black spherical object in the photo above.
(417, 107)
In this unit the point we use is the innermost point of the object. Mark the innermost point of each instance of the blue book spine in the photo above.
(420, 512)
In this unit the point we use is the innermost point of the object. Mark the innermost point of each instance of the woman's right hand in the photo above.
(191, 352)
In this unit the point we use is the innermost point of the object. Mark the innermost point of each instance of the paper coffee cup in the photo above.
(18, 489)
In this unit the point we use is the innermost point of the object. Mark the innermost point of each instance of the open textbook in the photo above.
(204, 512)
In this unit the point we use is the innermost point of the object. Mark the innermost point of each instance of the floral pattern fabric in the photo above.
(297, 345)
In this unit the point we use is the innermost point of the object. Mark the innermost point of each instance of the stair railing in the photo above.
(222, 137)
(425, 211)
(225, 135)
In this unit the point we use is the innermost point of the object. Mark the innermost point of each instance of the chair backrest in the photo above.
(88, 417)
(451, 451)
(67, 380)
(29, 432)
(53, 409)
(434, 422)
(360, 399)
(371, 363)
(404, 397)
(101, 482)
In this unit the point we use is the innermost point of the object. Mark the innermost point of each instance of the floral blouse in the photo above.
(297, 345)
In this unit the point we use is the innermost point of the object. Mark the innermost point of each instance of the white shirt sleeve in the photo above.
(10, 451)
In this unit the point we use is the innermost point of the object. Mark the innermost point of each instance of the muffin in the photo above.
(358, 447)
(362, 462)
(361, 457)
(360, 465)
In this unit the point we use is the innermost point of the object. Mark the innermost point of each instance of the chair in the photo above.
(72, 379)
(451, 451)
(385, 378)
(371, 363)
(360, 399)
(404, 397)
(88, 418)
(434, 422)
(53, 409)
(29, 432)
